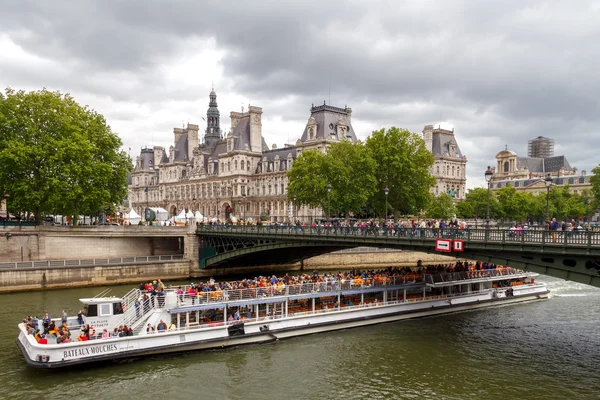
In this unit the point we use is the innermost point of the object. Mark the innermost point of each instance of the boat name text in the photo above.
(87, 351)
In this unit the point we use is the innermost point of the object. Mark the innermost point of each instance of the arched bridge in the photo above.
(568, 255)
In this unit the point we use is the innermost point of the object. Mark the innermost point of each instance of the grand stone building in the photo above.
(528, 174)
(449, 168)
(236, 173)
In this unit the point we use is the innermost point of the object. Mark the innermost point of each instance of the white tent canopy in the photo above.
(134, 218)
(189, 215)
(181, 217)
(199, 217)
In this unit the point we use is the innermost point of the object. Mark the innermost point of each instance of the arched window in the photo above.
(447, 170)
(235, 165)
(453, 170)
(506, 166)
(228, 166)
(242, 165)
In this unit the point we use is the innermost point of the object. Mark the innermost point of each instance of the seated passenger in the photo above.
(161, 327)
(52, 328)
(42, 340)
(172, 327)
(105, 334)
(149, 329)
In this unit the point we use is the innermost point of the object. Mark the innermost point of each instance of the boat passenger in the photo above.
(46, 322)
(42, 340)
(52, 328)
(149, 329)
(63, 318)
(105, 334)
(162, 326)
(80, 317)
(172, 327)
(115, 333)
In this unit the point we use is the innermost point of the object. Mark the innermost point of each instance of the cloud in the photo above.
(501, 72)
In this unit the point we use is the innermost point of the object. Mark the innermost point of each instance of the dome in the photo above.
(212, 93)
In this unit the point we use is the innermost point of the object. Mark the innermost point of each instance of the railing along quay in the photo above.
(587, 238)
(87, 262)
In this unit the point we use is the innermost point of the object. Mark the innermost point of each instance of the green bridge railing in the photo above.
(579, 238)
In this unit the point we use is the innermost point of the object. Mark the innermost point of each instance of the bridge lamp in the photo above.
(328, 200)
(548, 182)
(295, 209)
(488, 177)
(386, 191)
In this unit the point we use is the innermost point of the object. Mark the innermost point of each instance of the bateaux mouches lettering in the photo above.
(90, 351)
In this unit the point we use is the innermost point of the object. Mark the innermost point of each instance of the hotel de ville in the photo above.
(236, 173)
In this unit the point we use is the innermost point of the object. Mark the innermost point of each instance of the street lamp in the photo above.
(244, 205)
(295, 209)
(548, 182)
(239, 208)
(328, 200)
(488, 177)
(386, 191)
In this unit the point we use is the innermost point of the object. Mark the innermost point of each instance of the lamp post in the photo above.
(386, 191)
(244, 205)
(328, 200)
(295, 209)
(240, 208)
(548, 182)
(488, 177)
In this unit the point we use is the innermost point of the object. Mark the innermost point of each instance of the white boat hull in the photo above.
(63, 355)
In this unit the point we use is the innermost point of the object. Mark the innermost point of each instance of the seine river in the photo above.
(541, 350)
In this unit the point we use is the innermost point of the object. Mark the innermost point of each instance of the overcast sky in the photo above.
(500, 72)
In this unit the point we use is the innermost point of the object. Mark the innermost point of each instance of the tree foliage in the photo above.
(595, 181)
(58, 157)
(359, 173)
(441, 207)
(508, 204)
(403, 166)
(347, 167)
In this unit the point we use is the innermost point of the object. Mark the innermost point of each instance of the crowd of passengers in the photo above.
(157, 288)
(62, 332)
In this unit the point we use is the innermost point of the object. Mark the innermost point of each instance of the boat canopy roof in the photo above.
(98, 300)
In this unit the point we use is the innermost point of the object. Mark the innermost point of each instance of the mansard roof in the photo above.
(271, 155)
(550, 164)
(181, 149)
(327, 118)
(440, 143)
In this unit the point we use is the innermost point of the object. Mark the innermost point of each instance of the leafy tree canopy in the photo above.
(441, 207)
(58, 157)
(403, 165)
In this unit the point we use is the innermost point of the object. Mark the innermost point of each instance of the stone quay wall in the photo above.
(12, 280)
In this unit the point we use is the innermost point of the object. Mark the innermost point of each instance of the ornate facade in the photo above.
(234, 174)
(449, 168)
(528, 174)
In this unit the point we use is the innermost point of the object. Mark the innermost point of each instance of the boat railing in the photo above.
(473, 274)
(219, 296)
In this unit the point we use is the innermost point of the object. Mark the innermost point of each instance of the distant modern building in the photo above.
(540, 147)
(528, 174)
(449, 168)
(235, 173)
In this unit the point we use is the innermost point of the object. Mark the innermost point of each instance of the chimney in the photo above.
(583, 172)
(177, 133)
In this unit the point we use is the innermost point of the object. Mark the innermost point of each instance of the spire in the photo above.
(213, 120)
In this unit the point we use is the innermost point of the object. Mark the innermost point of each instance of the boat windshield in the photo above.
(90, 310)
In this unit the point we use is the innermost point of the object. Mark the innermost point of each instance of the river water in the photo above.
(542, 350)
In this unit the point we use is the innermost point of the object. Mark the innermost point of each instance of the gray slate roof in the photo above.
(440, 143)
(543, 165)
(327, 118)
(181, 149)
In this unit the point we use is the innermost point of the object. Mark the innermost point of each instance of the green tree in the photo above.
(347, 167)
(478, 197)
(441, 207)
(595, 181)
(58, 157)
(513, 205)
(403, 165)
(464, 209)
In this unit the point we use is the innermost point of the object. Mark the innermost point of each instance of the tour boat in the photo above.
(266, 314)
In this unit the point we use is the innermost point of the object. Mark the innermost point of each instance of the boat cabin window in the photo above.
(105, 309)
(90, 310)
(117, 308)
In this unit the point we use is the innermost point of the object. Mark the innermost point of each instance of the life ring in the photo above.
(92, 331)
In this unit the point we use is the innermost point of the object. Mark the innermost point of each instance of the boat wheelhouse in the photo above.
(221, 318)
